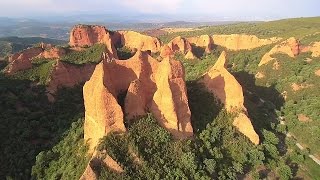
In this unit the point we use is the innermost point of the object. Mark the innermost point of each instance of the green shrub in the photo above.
(91, 54)
(40, 73)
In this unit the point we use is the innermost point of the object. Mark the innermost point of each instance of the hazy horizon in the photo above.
(157, 10)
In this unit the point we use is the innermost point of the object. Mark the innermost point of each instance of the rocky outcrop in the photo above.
(22, 60)
(297, 87)
(90, 173)
(290, 47)
(166, 51)
(139, 84)
(227, 89)
(183, 46)
(53, 53)
(88, 35)
(67, 75)
(315, 49)
(179, 44)
(203, 41)
(303, 118)
(241, 41)
(170, 102)
(103, 114)
(259, 75)
(276, 65)
(137, 41)
(317, 72)
(190, 55)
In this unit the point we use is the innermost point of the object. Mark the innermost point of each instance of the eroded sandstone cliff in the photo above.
(137, 41)
(88, 35)
(22, 60)
(145, 84)
(203, 41)
(182, 45)
(227, 89)
(241, 41)
(290, 47)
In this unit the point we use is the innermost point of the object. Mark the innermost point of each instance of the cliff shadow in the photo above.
(198, 51)
(30, 124)
(261, 103)
(203, 105)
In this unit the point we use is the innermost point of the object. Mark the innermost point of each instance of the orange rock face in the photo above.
(166, 51)
(88, 35)
(227, 89)
(204, 41)
(241, 41)
(223, 85)
(102, 111)
(290, 47)
(180, 44)
(135, 40)
(190, 55)
(169, 103)
(145, 84)
(315, 49)
(22, 60)
(317, 72)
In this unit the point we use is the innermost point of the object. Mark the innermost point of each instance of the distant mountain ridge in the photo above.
(59, 28)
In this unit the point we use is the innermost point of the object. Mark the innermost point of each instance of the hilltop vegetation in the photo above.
(10, 45)
(89, 55)
(299, 28)
(30, 124)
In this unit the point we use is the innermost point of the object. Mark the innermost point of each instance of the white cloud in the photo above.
(153, 6)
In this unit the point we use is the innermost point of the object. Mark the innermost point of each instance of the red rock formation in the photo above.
(227, 89)
(88, 35)
(203, 41)
(179, 44)
(150, 85)
(68, 75)
(291, 47)
(182, 45)
(241, 41)
(22, 60)
(135, 40)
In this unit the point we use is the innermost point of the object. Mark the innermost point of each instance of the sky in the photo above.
(179, 8)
